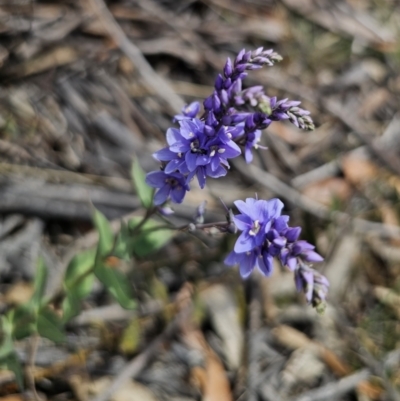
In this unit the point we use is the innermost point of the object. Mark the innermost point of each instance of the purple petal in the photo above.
(164, 155)
(214, 163)
(293, 233)
(156, 179)
(231, 150)
(247, 264)
(308, 284)
(191, 160)
(244, 243)
(274, 208)
(272, 234)
(284, 256)
(248, 155)
(219, 172)
(291, 263)
(173, 136)
(246, 207)
(281, 223)
(162, 195)
(311, 256)
(280, 242)
(201, 176)
(177, 194)
(202, 160)
(298, 281)
(232, 259)
(242, 222)
(265, 264)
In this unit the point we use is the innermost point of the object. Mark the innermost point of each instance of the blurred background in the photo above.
(86, 86)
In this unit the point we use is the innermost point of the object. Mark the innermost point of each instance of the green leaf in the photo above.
(49, 325)
(149, 239)
(106, 236)
(22, 319)
(12, 363)
(78, 277)
(39, 283)
(6, 344)
(144, 192)
(78, 283)
(122, 249)
(79, 266)
(117, 284)
(71, 307)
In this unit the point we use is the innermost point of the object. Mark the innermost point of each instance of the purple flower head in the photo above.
(189, 141)
(265, 234)
(221, 148)
(254, 221)
(169, 185)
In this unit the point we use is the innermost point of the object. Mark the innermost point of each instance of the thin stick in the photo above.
(336, 389)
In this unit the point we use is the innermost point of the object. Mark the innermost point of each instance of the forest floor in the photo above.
(86, 87)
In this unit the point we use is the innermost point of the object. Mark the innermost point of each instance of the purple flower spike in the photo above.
(264, 235)
(169, 185)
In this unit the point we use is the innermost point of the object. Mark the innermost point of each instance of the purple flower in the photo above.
(169, 185)
(312, 283)
(265, 234)
(254, 221)
(221, 148)
(231, 124)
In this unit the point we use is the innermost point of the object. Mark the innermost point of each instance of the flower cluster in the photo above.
(265, 235)
(231, 124)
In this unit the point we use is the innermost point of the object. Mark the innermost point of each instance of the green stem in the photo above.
(149, 212)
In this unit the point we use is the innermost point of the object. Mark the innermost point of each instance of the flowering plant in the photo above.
(231, 125)
(201, 147)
